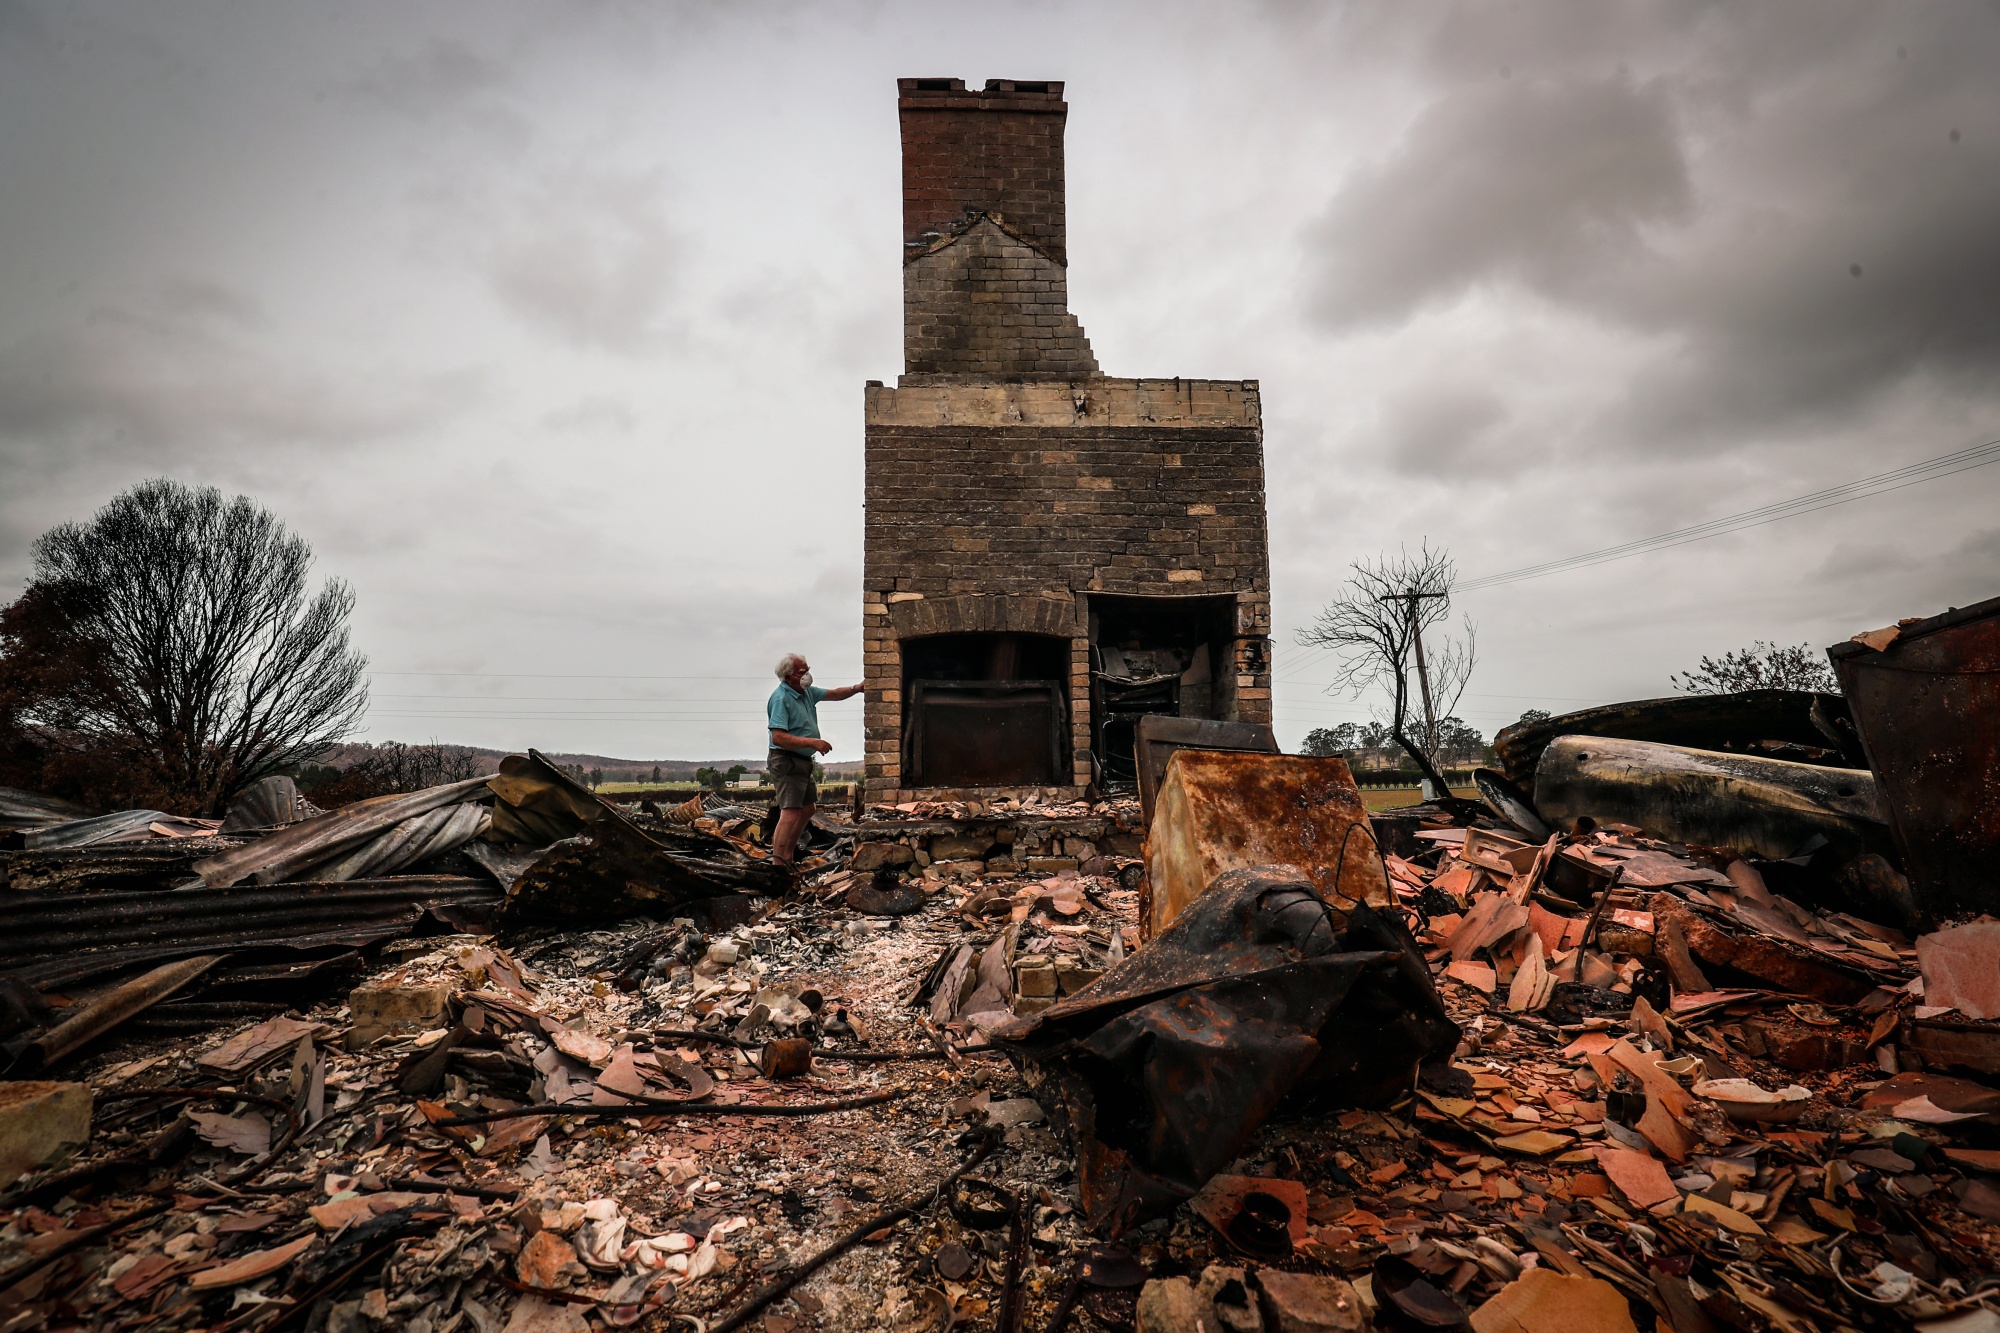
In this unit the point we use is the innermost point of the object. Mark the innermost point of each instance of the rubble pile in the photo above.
(613, 1122)
(506, 1058)
(1682, 1083)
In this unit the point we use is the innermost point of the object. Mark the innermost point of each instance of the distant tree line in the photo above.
(389, 767)
(1374, 743)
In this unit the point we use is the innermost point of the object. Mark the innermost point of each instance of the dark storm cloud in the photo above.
(1445, 427)
(195, 366)
(589, 258)
(21, 26)
(442, 74)
(1954, 568)
(1545, 186)
(1800, 216)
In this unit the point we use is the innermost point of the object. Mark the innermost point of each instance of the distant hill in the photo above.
(615, 769)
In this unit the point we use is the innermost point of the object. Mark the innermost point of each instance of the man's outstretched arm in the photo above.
(845, 692)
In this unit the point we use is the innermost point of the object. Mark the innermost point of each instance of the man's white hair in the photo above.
(787, 664)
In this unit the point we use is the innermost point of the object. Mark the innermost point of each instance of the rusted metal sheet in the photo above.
(299, 848)
(119, 826)
(1779, 724)
(1157, 738)
(1220, 811)
(72, 938)
(1160, 1071)
(1927, 705)
(30, 810)
(411, 842)
(1753, 806)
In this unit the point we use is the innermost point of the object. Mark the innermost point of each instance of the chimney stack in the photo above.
(985, 258)
(999, 150)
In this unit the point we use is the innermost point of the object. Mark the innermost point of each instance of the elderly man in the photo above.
(793, 714)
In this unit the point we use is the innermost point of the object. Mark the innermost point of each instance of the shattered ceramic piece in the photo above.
(1961, 969)
(1543, 1301)
(1641, 1179)
(1746, 1102)
(249, 1133)
(250, 1267)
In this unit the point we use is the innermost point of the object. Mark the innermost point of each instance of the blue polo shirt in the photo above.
(795, 711)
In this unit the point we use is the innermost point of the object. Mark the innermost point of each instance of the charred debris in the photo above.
(1691, 1021)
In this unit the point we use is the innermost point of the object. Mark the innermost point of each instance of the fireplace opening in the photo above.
(1167, 655)
(986, 710)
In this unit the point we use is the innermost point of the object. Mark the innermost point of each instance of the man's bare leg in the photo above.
(785, 840)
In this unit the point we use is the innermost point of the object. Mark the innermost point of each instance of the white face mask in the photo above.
(805, 680)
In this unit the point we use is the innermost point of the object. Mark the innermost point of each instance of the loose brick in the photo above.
(376, 1010)
(37, 1121)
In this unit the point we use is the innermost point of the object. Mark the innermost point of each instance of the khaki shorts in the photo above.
(792, 775)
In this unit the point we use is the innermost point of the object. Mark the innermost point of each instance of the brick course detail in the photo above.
(999, 150)
(983, 302)
(930, 488)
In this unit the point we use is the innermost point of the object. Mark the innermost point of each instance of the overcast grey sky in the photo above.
(547, 324)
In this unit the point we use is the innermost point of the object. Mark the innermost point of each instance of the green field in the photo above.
(1388, 798)
(1375, 798)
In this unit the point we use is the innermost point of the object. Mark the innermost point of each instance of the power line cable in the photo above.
(1934, 469)
(555, 675)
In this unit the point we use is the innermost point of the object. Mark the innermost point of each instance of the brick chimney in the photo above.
(985, 283)
(1049, 554)
(999, 150)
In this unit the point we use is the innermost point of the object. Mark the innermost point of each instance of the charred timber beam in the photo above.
(107, 1011)
(1731, 722)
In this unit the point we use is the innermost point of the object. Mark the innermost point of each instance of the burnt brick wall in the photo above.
(1122, 509)
(1021, 501)
(999, 150)
(985, 303)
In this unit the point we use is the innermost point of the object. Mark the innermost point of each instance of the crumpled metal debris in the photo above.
(1163, 1068)
(1222, 811)
(319, 849)
(123, 826)
(267, 803)
(1924, 696)
(603, 865)
(31, 810)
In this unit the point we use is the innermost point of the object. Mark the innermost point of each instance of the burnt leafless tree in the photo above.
(1380, 628)
(193, 645)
